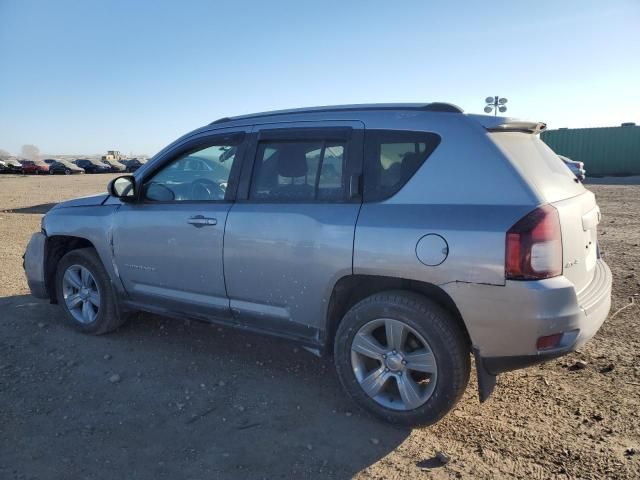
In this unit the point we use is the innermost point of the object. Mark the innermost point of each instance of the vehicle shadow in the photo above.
(173, 399)
(40, 209)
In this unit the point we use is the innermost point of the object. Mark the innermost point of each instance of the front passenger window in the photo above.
(202, 175)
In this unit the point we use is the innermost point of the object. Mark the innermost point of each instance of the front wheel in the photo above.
(67, 172)
(402, 357)
(85, 294)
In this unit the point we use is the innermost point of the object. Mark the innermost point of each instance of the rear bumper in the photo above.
(34, 265)
(505, 322)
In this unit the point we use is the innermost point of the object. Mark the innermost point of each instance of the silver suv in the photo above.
(399, 238)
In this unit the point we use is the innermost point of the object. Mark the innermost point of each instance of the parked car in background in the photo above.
(3, 166)
(116, 166)
(63, 167)
(12, 166)
(92, 165)
(49, 161)
(577, 168)
(348, 229)
(133, 164)
(36, 167)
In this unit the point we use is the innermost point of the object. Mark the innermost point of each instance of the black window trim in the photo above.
(293, 134)
(192, 145)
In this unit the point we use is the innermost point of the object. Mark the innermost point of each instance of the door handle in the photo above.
(201, 221)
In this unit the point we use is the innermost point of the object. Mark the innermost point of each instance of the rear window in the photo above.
(299, 171)
(392, 157)
(538, 165)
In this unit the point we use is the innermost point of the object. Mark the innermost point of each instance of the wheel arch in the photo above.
(56, 247)
(351, 289)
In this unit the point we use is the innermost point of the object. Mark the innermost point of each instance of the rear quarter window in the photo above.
(392, 157)
(539, 165)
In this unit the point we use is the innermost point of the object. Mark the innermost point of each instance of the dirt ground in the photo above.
(162, 398)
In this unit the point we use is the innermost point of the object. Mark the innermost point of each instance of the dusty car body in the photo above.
(36, 167)
(10, 165)
(115, 165)
(133, 164)
(92, 166)
(401, 238)
(63, 167)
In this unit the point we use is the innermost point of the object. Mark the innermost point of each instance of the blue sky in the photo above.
(87, 76)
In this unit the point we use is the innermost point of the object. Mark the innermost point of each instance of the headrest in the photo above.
(292, 160)
(411, 159)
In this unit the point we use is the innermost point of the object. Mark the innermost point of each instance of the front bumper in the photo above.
(505, 322)
(34, 261)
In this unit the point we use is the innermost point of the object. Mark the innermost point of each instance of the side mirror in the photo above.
(158, 192)
(123, 188)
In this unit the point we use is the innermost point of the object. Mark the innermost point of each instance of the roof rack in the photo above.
(428, 107)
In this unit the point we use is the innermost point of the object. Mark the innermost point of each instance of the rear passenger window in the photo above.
(299, 171)
(391, 159)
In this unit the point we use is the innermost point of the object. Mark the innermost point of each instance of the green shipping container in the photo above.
(607, 151)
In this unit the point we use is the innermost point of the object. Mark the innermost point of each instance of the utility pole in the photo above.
(495, 104)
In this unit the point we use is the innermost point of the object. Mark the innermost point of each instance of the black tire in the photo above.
(448, 343)
(108, 317)
(67, 172)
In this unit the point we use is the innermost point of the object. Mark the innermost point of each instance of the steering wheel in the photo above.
(205, 189)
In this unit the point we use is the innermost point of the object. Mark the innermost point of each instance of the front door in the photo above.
(289, 237)
(168, 246)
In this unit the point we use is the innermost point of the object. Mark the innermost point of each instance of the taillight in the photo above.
(534, 246)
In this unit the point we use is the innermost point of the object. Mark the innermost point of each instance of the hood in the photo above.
(90, 201)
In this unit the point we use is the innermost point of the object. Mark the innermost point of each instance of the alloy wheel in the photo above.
(81, 294)
(394, 364)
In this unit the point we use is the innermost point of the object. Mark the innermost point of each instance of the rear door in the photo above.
(289, 236)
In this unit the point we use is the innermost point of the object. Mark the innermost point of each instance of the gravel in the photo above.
(527, 429)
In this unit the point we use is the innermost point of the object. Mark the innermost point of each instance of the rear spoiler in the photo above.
(506, 124)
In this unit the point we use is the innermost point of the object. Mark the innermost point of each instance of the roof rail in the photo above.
(443, 107)
(221, 120)
(429, 107)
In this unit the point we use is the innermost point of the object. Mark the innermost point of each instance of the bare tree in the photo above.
(31, 152)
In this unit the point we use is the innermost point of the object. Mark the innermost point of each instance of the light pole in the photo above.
(497, 104)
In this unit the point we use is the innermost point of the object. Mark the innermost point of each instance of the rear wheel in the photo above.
(402, 357)
(85, 294)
